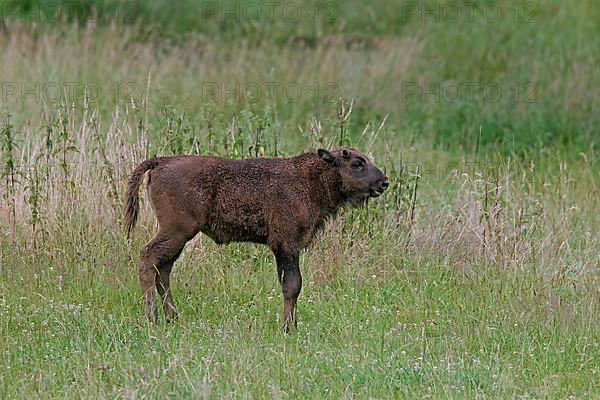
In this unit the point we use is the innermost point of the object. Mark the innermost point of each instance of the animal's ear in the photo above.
(326, 156)
(345, 154)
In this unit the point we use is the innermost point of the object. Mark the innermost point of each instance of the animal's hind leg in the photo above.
(147, 281)
(163, 287)
(159, 253)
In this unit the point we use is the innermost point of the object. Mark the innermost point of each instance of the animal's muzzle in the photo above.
(380, 187)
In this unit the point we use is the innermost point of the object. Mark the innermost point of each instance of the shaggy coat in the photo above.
(280, 202)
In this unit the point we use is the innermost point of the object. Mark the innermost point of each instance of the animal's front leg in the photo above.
(288, 269)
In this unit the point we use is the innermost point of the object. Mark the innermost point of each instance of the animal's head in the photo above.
(360, 178)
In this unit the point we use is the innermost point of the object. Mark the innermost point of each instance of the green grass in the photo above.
(478, 277)
(74, 328)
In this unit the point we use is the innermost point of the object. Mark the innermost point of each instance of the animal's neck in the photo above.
(329, 188)
(332, 197)
(326, 184)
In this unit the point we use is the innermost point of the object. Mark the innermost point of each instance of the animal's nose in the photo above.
(385, 183)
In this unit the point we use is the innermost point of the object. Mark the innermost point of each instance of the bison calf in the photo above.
(280, 202)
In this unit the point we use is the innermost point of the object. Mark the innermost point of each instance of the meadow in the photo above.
(476, 275)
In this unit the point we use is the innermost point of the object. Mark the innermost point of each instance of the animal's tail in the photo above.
(132, 199)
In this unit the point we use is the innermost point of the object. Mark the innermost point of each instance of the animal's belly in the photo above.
(238, 226)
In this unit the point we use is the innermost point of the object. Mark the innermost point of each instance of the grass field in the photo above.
(475, 276)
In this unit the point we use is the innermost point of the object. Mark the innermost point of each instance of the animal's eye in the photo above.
(357, 165)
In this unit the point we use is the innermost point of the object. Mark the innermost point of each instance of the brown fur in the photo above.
(280, 202)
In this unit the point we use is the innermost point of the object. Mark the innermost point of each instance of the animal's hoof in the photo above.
(289, 326)
(172, 318)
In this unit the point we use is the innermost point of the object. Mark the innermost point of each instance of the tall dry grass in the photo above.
(69, 174)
